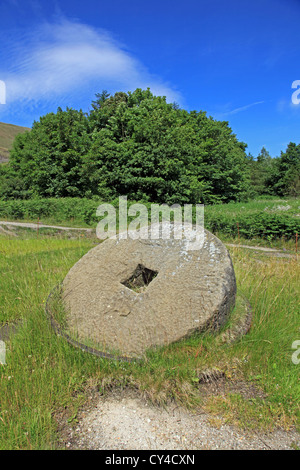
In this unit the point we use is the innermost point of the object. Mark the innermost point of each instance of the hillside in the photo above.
(7, 134)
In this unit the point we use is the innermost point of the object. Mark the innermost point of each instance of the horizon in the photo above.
(237, 61)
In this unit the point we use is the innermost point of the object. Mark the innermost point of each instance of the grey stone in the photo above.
(129, 295)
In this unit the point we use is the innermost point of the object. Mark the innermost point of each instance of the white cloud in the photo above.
(66, 57)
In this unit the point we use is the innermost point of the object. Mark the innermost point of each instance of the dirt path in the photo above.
(259, 248)
(129, 423)
(36, 226)
(266, 250)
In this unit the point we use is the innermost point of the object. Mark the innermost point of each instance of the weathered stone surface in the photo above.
(129, 295)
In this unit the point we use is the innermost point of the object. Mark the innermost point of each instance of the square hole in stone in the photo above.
(140, 279)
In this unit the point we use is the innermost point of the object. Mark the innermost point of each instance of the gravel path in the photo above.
(36, 226)
(128, 423)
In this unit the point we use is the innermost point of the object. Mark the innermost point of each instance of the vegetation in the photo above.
(276, 176)
(8, 132)
(45, 377)
(269, 219)
(260, 169)
(133, 144)
(285, 175)
(138, 145)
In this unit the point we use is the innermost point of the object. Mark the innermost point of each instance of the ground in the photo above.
(125, 421)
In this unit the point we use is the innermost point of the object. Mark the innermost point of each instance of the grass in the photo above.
(271, 205)
(45, 376)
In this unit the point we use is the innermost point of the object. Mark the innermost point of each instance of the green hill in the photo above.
(8, 133)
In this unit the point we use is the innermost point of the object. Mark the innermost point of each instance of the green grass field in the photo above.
(45, 377)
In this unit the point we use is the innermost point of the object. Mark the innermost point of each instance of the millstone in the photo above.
(129, 295)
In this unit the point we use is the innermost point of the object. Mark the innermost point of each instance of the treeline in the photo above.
(278, 176)
(138, 145)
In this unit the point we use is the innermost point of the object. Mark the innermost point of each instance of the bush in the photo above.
(268, 226)
(62, 210)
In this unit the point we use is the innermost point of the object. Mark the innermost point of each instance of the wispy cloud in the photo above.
(68, 57)
(239, 109)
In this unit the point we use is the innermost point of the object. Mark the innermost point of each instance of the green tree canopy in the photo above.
(49, 158)
(134, 144)
(144, 147)
(285, 176)
(260, 170)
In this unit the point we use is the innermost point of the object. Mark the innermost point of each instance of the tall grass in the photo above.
(272, 287)
(44, 375)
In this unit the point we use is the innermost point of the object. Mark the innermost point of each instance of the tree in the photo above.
(260, 170)
(285, 177)
(49, 158)
(134, 144)
(148, 148)
(101, 98)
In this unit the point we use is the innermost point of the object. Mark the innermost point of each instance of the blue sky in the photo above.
(234, 59)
